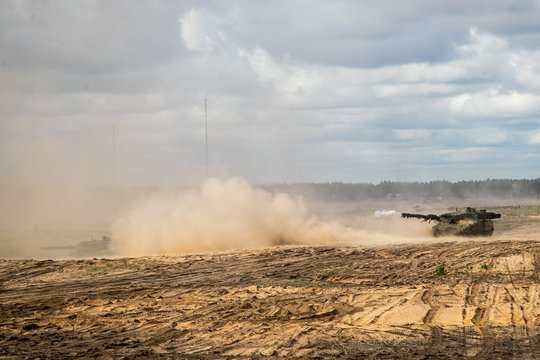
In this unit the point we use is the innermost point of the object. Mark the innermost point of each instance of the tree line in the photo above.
(431, 190)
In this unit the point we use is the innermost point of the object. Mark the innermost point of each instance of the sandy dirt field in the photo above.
(440, 299)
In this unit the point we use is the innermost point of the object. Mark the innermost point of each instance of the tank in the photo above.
(470, 222)
(90, 248)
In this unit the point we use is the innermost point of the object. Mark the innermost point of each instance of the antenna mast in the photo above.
(206, 131)
(114, 161)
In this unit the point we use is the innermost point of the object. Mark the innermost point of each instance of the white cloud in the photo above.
(534, 137)
(193, 32)
(526, 65)
(481, 56)
(286, 78)
(263, 65)
(482, 43)
(495, 104)
(482, 59)
(410, 90)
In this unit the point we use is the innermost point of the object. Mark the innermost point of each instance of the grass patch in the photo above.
(440, 271)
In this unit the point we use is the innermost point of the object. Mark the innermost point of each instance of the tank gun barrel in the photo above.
(428, 218)
(488, 215)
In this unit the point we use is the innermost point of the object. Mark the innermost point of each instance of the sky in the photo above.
(298, 91)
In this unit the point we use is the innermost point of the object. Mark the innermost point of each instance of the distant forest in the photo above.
(432, 190)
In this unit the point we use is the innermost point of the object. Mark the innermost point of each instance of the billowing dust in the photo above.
(231, 214)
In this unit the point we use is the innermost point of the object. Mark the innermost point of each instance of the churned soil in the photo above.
(458, 299)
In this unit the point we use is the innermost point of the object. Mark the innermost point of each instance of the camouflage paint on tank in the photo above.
(465, 223)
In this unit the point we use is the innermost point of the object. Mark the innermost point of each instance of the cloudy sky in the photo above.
(298, 91)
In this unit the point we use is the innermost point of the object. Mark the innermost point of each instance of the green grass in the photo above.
(440, 270)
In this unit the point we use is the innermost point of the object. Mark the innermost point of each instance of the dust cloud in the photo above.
(231, 214)
(55, 189)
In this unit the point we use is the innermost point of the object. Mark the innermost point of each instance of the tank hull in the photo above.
(465, 228)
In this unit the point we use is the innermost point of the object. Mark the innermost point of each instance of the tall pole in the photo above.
(206, 131)
(114, 162)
